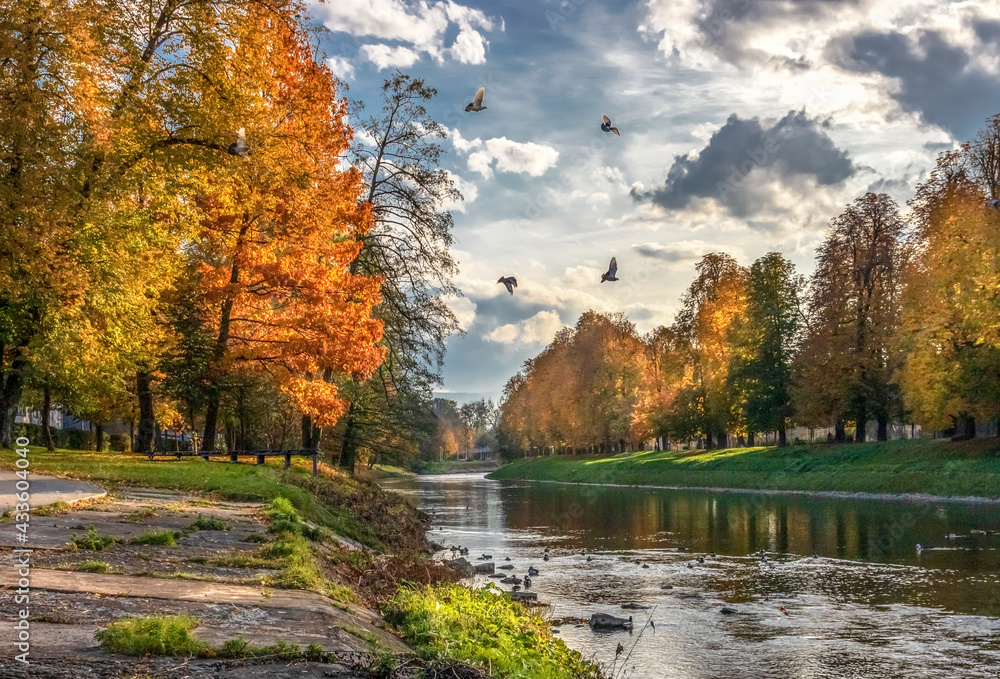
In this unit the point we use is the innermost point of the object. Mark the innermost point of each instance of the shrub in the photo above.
(153, 635)
(120, 443)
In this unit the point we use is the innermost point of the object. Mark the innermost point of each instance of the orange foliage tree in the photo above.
(278, 232)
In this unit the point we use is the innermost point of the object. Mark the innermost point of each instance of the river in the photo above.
(859, 599)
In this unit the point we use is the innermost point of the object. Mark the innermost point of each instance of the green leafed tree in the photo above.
(764, 345)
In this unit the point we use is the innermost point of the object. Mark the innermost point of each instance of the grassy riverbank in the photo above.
(934, 467)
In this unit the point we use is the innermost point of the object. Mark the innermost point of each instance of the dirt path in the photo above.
(45, 490)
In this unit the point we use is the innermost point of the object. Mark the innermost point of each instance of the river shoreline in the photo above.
(835, 494)
(908, 470)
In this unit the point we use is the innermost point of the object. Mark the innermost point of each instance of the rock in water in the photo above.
(729, 611)
(485, 567)
(461, 565)
(605, 621)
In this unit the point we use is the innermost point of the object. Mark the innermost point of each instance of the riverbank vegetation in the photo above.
(932, 467)
(484, 628)
(893, 331)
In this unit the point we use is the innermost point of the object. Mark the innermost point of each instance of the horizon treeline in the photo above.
(152, 270)
(899, 323)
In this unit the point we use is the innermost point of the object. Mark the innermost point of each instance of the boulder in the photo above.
(461, 565)
(523, 596)
(487, 567)
(605, 621)
(635, 607)
(506, 567)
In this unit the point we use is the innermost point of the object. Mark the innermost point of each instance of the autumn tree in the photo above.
(278, 232)
(849, 363)
(714, 301)
(949, 331)
(408, 247)
(764, 339)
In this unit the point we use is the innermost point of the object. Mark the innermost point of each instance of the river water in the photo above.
(868, 604)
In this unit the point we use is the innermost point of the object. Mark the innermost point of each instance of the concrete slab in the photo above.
(46, 490)
(77, 604)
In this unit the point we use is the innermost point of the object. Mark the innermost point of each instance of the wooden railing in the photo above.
(260, 455)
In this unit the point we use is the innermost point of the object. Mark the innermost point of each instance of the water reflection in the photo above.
(859, 599)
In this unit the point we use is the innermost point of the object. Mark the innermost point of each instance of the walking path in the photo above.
(45, 490)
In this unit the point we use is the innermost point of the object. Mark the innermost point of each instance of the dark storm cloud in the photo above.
(668, 253)
(936, 79)
(987, 30)
(795, 147)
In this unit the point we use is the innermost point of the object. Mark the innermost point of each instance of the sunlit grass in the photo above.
(484, 628)
(935, 467)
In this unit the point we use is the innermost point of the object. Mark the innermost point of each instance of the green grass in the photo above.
(92, 541)
(92, 566)
(153, 635)
(935, 467)
(164, 538)
(210, 523)
(484, 628)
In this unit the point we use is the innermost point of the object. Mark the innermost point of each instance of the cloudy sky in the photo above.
(747, 125)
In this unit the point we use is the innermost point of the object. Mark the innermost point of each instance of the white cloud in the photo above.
(341, 67)
(468, 190)
(539, 329)
(420, 24)
(384, 56)
(463, 308)
(508, 156)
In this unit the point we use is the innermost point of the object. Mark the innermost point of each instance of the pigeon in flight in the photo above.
(239, 147)
(477, 103)
(509, 282)
(611, 275)
(606, 126)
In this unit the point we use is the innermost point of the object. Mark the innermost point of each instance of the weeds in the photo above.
(153, 635)
(163, 538)
(92, 541)
(209, 523)
(92, 566)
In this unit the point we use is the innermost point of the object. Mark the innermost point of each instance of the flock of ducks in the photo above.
(510, 282)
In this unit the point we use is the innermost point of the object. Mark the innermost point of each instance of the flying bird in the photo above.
(477, 102)
(612, 271)
(509, 282)
(606, 126)
(239, 147)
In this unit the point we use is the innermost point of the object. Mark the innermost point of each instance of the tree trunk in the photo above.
(751, 440)
(144, 439)
(965, 428)
(349, 448)
(782, 436)
(222, 341)
(723, 439)
(100, 437)
(840, 435)
(46, 414)
(859, 430)
(883, 428)
(211, 420)
(11, 388)
(307, 430)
